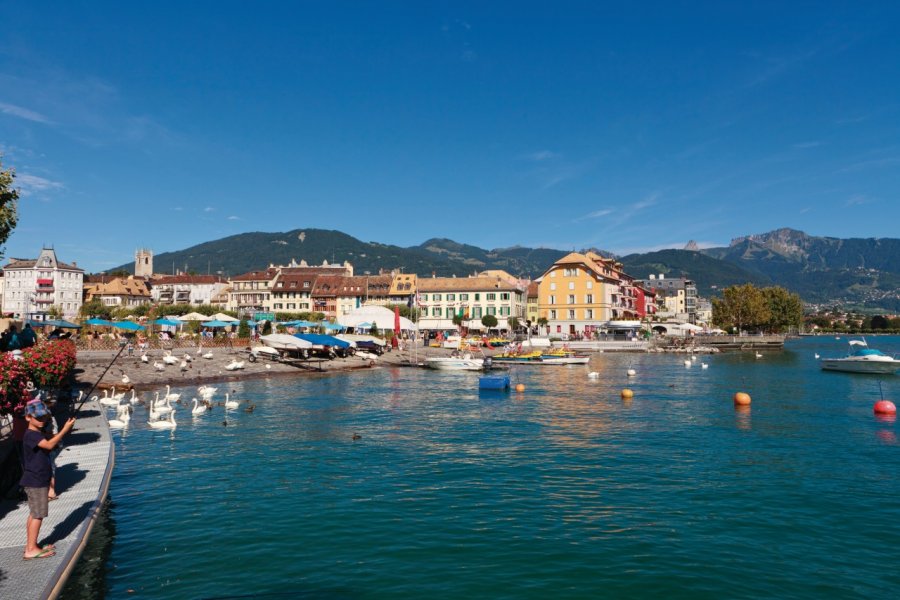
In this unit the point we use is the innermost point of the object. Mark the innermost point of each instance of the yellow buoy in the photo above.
(742, 399)
(520, 387)
(626, 393)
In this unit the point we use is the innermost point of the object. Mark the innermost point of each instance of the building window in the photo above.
(477, 312)
(504, 296)
(589, 313)
(477, 297)
(552, 286)
(450, 312)
(492, 310)
(589, 299)
(552, 299)
(552, 273)
(424, 298)
(451, 296)
(436, 297)
(490, 297)
(571, 285)
(590, 285)
(424, 312)
(463, 297)
(553, 313)
(571, 315)
(571, 299)
(504, 310)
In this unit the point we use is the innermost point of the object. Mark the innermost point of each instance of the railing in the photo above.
(158, 344)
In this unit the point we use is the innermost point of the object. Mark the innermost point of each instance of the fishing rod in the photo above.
(96, 383)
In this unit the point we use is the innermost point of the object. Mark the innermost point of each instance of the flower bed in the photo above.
(47, 365)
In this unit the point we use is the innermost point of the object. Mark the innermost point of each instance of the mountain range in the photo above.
(857, 272)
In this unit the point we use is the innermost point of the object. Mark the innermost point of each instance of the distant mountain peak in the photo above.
(692, 246)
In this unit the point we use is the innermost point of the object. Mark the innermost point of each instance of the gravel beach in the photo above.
(130, 372)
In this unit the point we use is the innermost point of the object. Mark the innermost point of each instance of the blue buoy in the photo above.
(493, 382)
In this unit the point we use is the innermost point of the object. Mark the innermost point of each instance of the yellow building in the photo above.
(581, 292)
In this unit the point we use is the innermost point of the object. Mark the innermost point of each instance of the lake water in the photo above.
(563, 491)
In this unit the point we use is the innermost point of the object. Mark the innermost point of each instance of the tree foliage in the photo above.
(741, 306)
(489, 321)
(95, 309)
(9, 203)
(785, 309)
(243, 331)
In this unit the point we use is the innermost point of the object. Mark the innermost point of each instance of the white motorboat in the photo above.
(462, 362)
(862, 359)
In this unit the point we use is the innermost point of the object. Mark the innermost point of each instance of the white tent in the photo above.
(381, 317)
(224, 317)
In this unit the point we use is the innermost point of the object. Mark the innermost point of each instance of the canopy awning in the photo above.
(194, 316)
(129, 325)
(170, 322)
(225, 318)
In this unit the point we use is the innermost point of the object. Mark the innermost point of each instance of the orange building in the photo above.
(581, 292)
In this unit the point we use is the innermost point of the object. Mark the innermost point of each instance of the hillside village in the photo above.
(578, 295)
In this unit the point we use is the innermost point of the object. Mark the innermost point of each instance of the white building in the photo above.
(186, 289)
(440, 298)
(32, 286)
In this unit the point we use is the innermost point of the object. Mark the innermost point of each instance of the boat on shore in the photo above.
(862, 359)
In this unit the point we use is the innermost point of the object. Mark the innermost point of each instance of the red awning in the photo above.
(45, 282)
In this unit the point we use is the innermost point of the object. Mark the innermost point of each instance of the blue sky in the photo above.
(626, 128)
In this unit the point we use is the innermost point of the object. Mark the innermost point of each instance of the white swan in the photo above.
(817, 356)
(704, 365)
(145, 358)
(231, 403)
(170, 397)
(118, 396)
(184, 366)
(169, 359)
(134, 399)
(125, 379)
(108, 400)
(688, 363)
(631, 372)
(122, 418)
(164, 423)
(208, 355)
(159, 366)
(187, 357)
(198, 409)
(758, 355)
(693, 357)
(206, 391)
(159, 407)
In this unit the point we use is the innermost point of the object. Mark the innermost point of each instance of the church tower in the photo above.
(143, 263)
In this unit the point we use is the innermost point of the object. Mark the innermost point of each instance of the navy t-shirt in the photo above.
(37, 461)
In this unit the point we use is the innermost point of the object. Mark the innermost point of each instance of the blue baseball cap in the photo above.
(36, 409)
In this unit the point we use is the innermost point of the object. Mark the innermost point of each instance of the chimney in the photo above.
(662, 276)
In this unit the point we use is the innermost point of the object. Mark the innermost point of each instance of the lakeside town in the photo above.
(577, 297)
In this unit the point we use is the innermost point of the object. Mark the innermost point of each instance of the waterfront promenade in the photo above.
(83, 471)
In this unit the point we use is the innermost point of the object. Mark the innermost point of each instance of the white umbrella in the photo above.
(283, 341)
(194, 316)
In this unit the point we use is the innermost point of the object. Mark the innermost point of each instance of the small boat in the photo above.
(862, 359)
(537, 357)
(460, 362)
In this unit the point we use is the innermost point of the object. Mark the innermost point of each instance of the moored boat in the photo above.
(862, 359)
(460, 362)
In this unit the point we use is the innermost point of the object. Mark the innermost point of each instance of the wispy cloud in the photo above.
(32, 184)
(541, 155)
(234, 218)
(208, 209)
(857, 200)
(23, 113)
(595, 214)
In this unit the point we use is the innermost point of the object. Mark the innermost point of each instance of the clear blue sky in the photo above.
(568, 125)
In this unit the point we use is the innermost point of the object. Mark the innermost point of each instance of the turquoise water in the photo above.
(562, 491)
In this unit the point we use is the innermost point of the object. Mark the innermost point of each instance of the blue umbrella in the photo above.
(164, 321)
(216, 324)
(98, 322)
(334, 327)
(129, 325)
(61, 323)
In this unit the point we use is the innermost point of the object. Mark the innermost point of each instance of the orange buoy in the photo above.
(520, 387)
(742, 399)
(626, 393)
(885, 407)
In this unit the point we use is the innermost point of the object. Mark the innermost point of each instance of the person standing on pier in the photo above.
(37, 474)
